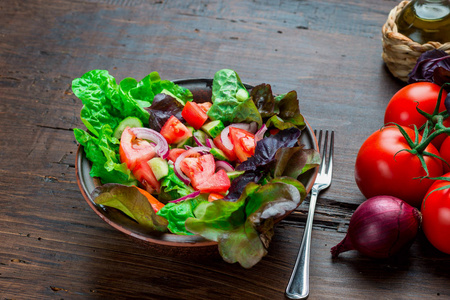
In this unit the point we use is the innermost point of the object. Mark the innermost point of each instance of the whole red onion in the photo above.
(380, 227)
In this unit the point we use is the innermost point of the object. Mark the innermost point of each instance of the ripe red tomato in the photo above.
(382, 169)
(174, 153)
(218, 183)
(444, 152)
(194, 114)
(144, 174)
(243, 142)
(230, 154)
(402, 108)
(133, 150)
(436, 215)
(174, 131)
(200, 169)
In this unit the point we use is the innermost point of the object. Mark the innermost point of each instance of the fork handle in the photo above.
(298, 286)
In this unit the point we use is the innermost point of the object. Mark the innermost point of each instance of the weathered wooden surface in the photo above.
(52, 246)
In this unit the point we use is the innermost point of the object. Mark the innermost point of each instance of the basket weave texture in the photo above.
(400, 53)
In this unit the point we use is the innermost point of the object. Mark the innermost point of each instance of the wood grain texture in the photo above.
(54, 247)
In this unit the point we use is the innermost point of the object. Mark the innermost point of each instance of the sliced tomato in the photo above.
(230, 154)
(156, 205)
(133, 150)
(198, 168)
(243, 142)
(145, 176)
(174, 153)
(219, 183)
(174, 131)
(214, 196)
(194, 114)
(205, 106)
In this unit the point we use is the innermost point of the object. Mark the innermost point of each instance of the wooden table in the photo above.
(52, 245)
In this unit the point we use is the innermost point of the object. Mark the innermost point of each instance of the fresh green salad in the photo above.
(223, 169)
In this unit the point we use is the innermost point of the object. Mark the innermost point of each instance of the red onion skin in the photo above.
(380, 227)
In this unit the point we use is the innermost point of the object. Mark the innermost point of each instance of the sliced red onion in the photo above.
(259, 135)
(198, 142)
(250, 127)
(161, 145)
(221, 164)
(190, 196)
(191, 151)
(210, 143)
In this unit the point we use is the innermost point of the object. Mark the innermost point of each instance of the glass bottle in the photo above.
(425, 20)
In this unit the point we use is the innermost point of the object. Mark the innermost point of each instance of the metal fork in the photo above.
(298, 286)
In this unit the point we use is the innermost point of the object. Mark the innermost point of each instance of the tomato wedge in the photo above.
(174, 131)
(219, 183)
(145, 175)
(230, 154)
(205, 106)
(198, 168)
(133, 150)
(174, 153)
(243, 142)
(156, 205)
(194, 114)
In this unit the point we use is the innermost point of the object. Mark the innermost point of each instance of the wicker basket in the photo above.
(400, 53)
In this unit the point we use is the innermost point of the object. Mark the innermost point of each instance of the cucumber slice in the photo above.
(242, 95)
(159, 166)
(234, 174)
(200, 136)
(213, 128)
(218, 154)
(128, 121)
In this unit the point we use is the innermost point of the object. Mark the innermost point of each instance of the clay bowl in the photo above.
(167, 243)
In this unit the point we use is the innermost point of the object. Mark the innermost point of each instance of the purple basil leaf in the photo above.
(424, 70)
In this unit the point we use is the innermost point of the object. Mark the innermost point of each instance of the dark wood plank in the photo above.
(54, 247)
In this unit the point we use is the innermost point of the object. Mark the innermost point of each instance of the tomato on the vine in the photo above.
(383, 169)
(402, 108)
(444, 152)
(436, 215)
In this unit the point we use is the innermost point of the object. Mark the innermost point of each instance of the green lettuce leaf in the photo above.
(231, 102)
(131, 202)
(173, 188)
(178, 213)
(103, 152)
(244, 228)
(295, 161)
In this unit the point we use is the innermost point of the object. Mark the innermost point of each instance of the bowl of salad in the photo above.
(196, 165)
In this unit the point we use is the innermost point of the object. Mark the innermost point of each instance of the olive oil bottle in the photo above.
(425, 20)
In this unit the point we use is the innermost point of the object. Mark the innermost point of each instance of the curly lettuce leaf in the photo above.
(131, 202)
(244, 228)
(103, 152)
(178, 213)
(231, 103)
(104, 101)
(173, 188)
(281, 112)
